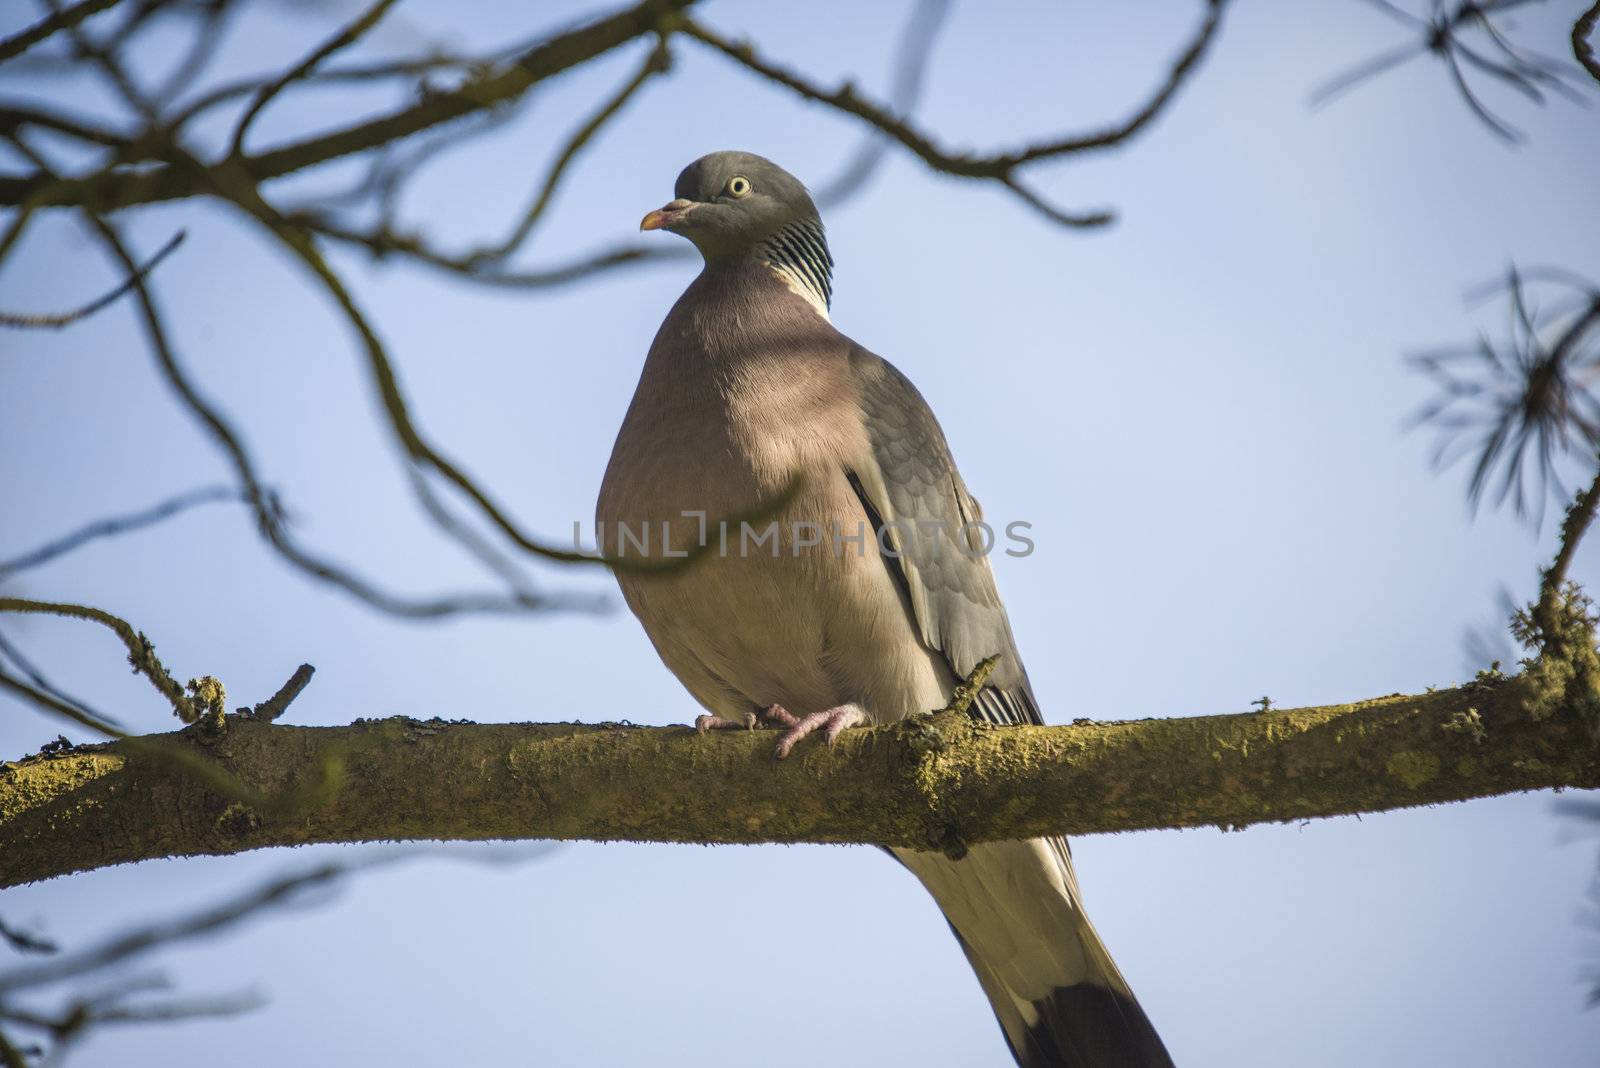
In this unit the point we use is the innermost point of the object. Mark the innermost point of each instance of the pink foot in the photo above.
(777, 716)
(717, 723)
(830, 720)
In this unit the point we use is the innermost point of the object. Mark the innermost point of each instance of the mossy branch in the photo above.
(930, 782)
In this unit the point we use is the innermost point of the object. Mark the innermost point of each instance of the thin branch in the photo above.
(52, 703)
(1528, 396)
(141, 653)
(14, 116)
(382, 243)
(107, 59)
(659, 61)
(268, 514)
(25, 941)
(117, 525)
(357, 74)
(10, 1055)
(484, 266)
(85, 716)
(393, 167)
(927, 19)
(54, 23)
(275, 706)
(57, 320)
(1582, 50)
(141, 940)
(205, 46)
(120, 189)
(998, 166)
(1441, 36)
(419, 449)
(346, 37)
(1576, 524)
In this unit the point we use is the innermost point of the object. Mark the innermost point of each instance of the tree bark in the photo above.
(933, 782)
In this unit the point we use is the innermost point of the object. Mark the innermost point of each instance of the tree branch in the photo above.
(999, 166)
(346, 37)
(933, 782)
(57, 320)
(61, 19)
(113, 526)
(1582, 50)
(120, 189)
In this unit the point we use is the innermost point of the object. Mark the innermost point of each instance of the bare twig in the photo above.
(999, 166)
(54, 704)
(83, 714)
(15, 116)
(116, 525)
(485, 265)
(346, 37)
(1576, 524)
(101, 991)
(57, 320)
(357, 74)
(268, 514)
(25, 941)
(1521, 403)
(140, 940)
(119, 189)
(278, 703)
(141, 653)
(203, 48)
(1582, 50)
(193, 763)
(382, 243)
(658, 62)
(928, 18)
(1441, 35)
(385, 380)
(55, 22)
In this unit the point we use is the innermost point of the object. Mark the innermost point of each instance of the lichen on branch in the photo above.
(933, 782)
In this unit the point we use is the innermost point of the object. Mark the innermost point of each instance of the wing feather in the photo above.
(913, 492)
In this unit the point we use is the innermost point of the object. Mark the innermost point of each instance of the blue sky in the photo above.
(1199, 410)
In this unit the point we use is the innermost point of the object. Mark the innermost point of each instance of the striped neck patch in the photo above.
(799, 253)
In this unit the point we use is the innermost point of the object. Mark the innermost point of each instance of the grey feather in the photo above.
(912, 486)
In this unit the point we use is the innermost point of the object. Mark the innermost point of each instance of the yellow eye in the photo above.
(738, 186)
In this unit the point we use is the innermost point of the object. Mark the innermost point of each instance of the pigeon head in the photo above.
(733, 204)
(728, 203)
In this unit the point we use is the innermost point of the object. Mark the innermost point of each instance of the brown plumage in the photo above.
(746, 387)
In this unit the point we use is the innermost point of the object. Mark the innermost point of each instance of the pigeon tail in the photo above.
(1054, 989)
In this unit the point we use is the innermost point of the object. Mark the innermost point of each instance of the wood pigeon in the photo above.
(865, 599)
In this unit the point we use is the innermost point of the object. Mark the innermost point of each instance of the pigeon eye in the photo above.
(738, 186)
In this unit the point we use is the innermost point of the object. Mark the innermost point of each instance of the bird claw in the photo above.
(831, 721)
(717, 723)
(777, 716)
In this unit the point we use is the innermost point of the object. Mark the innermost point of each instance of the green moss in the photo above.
(1466, 721)
(1412, 768)
(238, 820)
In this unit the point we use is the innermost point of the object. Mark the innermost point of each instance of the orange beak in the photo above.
(664, 217)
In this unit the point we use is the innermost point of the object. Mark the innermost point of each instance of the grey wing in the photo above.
(913, 493)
